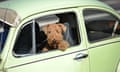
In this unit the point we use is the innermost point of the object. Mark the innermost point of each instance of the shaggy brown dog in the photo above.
(55, 39)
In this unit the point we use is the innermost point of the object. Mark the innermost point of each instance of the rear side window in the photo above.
(32, 38)
(100, 25)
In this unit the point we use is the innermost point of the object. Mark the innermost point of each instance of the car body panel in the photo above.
(101, 57)
(53, 64)
(20, 5)
(98, 52)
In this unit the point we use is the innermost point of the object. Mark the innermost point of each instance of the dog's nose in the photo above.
(54, 41)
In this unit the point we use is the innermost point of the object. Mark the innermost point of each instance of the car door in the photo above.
(103, 32)
(26, 55)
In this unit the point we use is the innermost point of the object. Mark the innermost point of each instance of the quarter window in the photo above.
(32, 37)
(100, 25)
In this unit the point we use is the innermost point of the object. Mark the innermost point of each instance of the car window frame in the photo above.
(74, 10)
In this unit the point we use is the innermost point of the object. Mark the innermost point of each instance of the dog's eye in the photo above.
(57, 31)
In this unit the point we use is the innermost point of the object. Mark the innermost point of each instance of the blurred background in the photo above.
(114, 3)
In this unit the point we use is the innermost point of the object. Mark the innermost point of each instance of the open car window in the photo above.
(32, 38)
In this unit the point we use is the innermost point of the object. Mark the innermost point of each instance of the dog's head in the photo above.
(54, 33)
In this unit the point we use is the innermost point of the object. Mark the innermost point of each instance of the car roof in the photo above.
(25, 8)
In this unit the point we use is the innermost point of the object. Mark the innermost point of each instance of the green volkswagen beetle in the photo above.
(93, 34)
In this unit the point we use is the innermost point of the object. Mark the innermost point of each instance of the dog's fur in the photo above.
(55, 38)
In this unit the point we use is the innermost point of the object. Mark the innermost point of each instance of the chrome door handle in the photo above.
(80, 56)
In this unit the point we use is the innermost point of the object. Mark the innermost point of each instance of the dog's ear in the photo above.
(63, 27)
(45, 28)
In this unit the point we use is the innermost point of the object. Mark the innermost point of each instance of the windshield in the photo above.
(4, 30)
